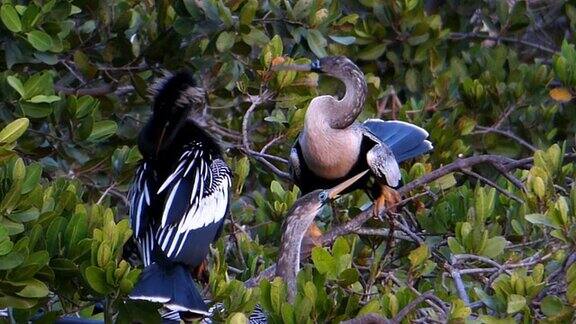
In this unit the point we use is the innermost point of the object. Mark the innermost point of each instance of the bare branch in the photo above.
(493, 185)
(260, 157)
(463, 36)
(485, 130)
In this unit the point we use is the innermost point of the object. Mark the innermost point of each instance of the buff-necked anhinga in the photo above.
(333, 147)
(179, 198)
(296, 224)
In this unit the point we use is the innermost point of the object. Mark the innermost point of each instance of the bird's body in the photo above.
(179, 198)
(333, 146)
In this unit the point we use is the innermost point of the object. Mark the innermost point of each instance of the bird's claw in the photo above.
(387, 201)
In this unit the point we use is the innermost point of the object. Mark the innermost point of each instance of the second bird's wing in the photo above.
(197, 198)
(404, 139)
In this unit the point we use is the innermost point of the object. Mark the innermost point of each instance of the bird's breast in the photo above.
(331, 154)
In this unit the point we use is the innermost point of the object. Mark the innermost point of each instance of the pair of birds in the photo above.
(181, 191)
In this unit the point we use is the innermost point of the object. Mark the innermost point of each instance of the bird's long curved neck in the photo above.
(297, 222)
(159, 133)
(350, 106)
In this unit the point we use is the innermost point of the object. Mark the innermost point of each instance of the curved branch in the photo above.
(260, 157)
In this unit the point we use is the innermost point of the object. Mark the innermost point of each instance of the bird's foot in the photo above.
(201, 272)
(387, 200)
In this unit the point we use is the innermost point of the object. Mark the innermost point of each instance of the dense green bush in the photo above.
(483, 242)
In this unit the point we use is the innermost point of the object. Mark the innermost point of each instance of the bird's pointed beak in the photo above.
(312, 67)
(335, 191)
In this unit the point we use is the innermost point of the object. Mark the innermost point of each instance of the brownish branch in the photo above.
(464, 36)
(260, 157)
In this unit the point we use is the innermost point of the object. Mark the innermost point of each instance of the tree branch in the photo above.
(260, 157)
(463, 36)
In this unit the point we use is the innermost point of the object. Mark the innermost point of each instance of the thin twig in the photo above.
(493, 185)
(406, 310)
(381, 232)
(485, 130)
(105, 193)
(462, 36)
(257, 100)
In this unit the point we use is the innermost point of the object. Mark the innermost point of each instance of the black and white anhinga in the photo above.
(179, 198)
(333, 147)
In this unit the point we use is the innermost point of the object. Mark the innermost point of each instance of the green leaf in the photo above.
(551, 306)
(372, 52)
(372, 307)
(541, 220)
(39, 84)
(10, 18)
(455, 246)
(14, 130)
(5, 246)
(16, 84)
(248, 12)
(486, 299)
(348, 277)
(11, 260)
(102, 130)
(419, 255)
(412, 80)
(340, 247)
(39, 40)
(515, 303)
(44, 99)
(96, 279)
(324, 262)
(317, 42)
(459, 310)
(34, 289)
(32, 178)
(344, 40)
(310, 291)
(494, 246)
(25, 216)
(17, 302)
(225, 41)
(237, 318)
(84, 65)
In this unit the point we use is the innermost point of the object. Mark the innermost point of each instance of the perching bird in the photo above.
(179, 198)
(298, 221)
(333, 147)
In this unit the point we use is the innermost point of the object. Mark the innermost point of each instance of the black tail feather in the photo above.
(171, 285)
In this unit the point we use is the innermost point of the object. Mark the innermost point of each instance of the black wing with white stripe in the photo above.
(140, 197)
(196, 201)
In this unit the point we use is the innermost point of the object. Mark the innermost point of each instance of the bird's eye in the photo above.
(323, 196)
(315, 66)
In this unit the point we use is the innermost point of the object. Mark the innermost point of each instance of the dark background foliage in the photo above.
(485, 242)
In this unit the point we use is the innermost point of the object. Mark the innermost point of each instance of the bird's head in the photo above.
(334, 66)
(313, 202)
(174, 97)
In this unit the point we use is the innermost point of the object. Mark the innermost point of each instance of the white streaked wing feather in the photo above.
(208, 201)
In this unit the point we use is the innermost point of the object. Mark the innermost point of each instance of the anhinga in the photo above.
(179, 198)
(333, 147)
(298, 221)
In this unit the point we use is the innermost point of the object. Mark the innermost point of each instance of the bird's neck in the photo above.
(159, 133)
(297, 222)
(346, 110)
